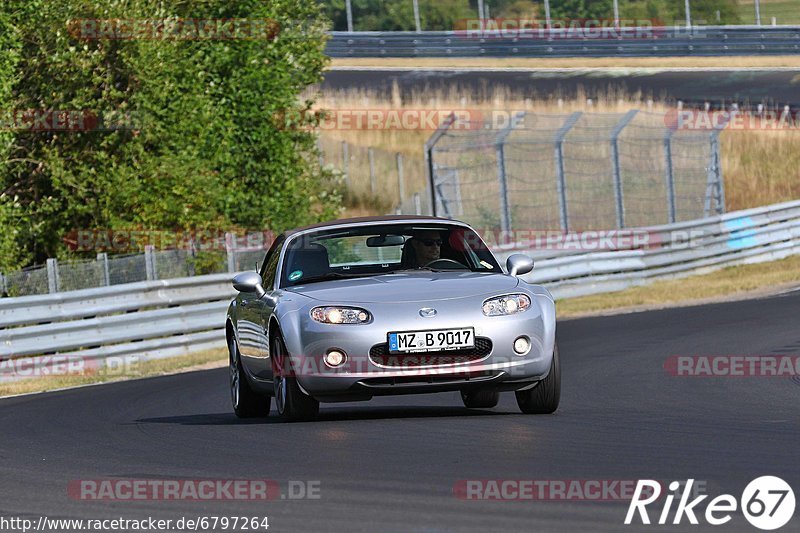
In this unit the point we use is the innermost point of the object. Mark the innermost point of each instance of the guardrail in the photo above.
(641, 42)
(148, 320)
(169, 317)
(669, 251)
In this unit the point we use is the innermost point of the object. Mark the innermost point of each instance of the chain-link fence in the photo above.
(376, 177)
(70, 275)
(575, 172)
(426, 15)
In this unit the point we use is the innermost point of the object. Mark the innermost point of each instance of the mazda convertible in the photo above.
(351, 309)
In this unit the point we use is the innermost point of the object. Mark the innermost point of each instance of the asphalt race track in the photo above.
(694, 86)
(391, 465)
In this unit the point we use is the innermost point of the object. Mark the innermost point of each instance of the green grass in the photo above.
(157, 367)
(731, 281)
(785, 11)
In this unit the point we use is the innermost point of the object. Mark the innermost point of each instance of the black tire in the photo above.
(291, 403)
(544, 397)
(246, 402)
(480, 399)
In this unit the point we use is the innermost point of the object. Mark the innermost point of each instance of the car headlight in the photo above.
(340, 315)
(506, 305)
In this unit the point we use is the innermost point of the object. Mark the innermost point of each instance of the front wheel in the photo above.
(544, 397)
(292, 403)
(246, 402)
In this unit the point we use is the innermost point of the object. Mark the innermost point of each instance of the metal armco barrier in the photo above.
(170, 317)
(655, 42)
(148, 320)
(671, 251)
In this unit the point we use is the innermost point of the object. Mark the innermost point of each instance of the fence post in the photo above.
(371, 155)
(321, 153)
(561, 183)
(346, 163)
(416, 23)
(688, 15)
(400, 185)
(230, 244)
(502, 179)
(417, 204)
(3, 286)
(429, 164)
(715, 189)
(102, 257)
(191, 257)
(548, 23)
(720, 181)
(150, 263)
(52, 275)
(670, 178)
(349, 9)
(618, 195)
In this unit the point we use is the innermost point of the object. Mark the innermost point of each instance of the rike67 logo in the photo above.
(767, 503)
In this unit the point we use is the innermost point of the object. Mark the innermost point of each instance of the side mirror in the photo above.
(519, 264)
(249, 282)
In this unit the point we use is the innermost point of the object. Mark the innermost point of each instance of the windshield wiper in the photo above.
(328, 276)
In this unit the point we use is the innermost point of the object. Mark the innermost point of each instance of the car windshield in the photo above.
(370, 250)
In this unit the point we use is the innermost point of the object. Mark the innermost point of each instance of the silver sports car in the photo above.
(351, 309)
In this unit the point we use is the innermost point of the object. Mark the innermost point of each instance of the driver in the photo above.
(427, 246)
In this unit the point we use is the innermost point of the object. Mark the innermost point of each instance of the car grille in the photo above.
(379, 354)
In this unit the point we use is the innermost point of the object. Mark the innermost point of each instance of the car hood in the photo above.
(409, 287)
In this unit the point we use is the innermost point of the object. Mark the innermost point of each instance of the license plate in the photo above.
(431, 340)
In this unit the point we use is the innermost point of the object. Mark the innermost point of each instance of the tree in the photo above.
(201, 149)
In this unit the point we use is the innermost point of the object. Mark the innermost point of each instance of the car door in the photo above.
(250, 323)
(258, 312)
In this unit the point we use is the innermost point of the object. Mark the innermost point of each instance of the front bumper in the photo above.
(361, 377)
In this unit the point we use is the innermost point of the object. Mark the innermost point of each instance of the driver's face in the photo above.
(428, 246)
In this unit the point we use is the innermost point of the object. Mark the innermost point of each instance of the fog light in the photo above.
(335, 358)
(522, 345)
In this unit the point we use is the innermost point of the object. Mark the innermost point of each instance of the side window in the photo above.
(270, 266)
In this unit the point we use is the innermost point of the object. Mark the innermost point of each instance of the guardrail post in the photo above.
(102, 258)
(561, 183)
(52, 275)
(371, 155)
(346, 163)
(150, 263)
(400, 185)
(618, 195)
(3, 286)
(230, 245)
(670, 178)
(429, 165)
